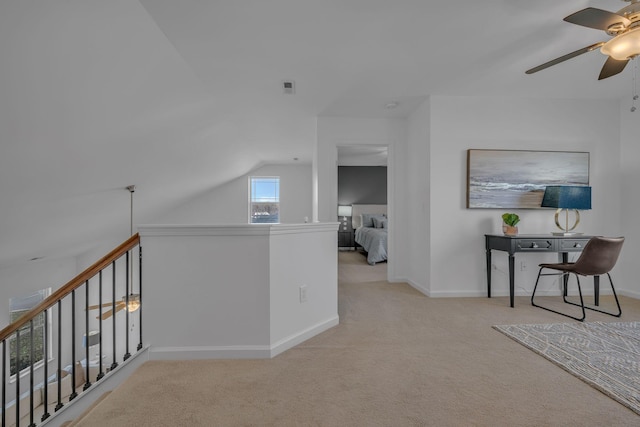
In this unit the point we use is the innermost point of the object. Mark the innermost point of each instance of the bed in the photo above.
(371, 224)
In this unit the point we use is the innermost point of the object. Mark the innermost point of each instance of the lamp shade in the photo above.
(567, 197)
(344, 210)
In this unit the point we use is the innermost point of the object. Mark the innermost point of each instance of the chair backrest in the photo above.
(599, 256)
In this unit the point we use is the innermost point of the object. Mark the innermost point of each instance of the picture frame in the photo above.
(516, 179)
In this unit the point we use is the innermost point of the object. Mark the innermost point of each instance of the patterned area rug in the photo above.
(604, 355)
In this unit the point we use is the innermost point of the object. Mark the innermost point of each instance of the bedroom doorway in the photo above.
(362, 181)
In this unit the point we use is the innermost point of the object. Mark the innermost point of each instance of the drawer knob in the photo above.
(577, 245)
(534, 245)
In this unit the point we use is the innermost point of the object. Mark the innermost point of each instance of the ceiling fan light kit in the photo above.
(623, 26)
(624, 46)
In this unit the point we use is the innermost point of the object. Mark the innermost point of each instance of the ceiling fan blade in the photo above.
(119, 306)
(596, 18)
(106, 314)
(612, 67)
(93, 307)
(564, 58)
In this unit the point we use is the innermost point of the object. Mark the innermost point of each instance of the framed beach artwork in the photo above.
(517, 178)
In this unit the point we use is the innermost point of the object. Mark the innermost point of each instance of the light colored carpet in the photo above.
(604, 355)
(397, 358)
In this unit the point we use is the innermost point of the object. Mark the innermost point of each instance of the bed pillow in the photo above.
(379, 222)
(384, 223)
(367, 219)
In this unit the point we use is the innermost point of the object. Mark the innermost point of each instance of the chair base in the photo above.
(581, 305)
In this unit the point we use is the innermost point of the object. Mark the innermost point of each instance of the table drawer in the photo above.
(568, 245)
(534, 245)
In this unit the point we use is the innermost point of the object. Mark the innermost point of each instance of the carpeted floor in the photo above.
(397, 358)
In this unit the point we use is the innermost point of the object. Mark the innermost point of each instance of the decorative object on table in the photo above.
(509, 227)
(603, 355)
(344, 211)
(516, 179)
(621, 25)
(567, 197)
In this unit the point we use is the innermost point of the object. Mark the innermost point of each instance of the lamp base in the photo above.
(565, 233)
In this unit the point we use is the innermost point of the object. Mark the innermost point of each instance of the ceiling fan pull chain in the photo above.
(635, 85)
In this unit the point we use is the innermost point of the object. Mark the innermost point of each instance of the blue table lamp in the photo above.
(565, 197)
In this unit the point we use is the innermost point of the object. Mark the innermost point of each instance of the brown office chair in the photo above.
(598, 258)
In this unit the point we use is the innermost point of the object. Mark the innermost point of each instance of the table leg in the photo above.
(488, 273)
(511, 278)
(565, 277)
(596, 290)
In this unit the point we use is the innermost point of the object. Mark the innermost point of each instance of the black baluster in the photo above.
(45, 351)
(18, 377)
(114, 364)
(126, 308)
(100, 372)
(87, 383)
(31, 362)
(4, 382)
(140, 295)
(59, 405)
(73, 394)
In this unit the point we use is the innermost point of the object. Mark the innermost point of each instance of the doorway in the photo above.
(362, 179)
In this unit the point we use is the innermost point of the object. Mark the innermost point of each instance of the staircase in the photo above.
(92, 334)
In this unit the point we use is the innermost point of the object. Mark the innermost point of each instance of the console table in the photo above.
(533, 243)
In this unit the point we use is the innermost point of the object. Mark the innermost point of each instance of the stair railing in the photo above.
(69, 334)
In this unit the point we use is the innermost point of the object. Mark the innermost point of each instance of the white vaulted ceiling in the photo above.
(179, 96)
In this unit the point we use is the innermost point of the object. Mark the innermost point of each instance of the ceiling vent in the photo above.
(288, 87)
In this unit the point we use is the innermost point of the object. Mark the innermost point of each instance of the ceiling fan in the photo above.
(134, 304)
(623, 25)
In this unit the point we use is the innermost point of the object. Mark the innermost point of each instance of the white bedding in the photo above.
(372, 239)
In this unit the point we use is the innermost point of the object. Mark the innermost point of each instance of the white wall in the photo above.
(297, 259)
(630, 206)
(233, 291)
(457, 234)
(417, 199)
(228, 203)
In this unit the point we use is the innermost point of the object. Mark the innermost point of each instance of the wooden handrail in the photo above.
(73, 284)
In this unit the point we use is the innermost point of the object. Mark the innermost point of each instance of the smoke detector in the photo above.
(288, 87)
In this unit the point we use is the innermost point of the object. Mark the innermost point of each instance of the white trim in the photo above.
(234, 229)
(300, 337)
(204, 230)
(313, 227)
(414, 285)
(628, 293)
(77, 407)
(210, 352)
(240, 351)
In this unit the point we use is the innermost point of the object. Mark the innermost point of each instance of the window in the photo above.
(264, 200)
(20, 359)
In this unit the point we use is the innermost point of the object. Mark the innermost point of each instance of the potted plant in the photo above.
(509, 224)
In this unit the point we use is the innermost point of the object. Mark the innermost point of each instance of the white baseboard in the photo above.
(76, 408)
(418, 287)
(240, 351)
(586, 291)
(294, 340)
(628, 293)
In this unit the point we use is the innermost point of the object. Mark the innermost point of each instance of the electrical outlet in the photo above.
(303, 293)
